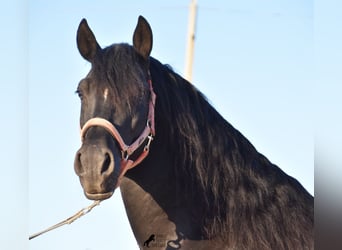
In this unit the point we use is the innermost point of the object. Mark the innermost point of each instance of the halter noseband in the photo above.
(127, 150)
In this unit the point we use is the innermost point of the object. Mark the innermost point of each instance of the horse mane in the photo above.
(240, 193)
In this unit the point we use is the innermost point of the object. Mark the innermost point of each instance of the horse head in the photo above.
(116, 117)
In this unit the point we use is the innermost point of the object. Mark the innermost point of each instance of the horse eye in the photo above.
(79, 93)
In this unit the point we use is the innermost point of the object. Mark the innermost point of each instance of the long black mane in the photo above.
(239, 192)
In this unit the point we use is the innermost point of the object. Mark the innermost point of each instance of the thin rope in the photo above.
(68, 220)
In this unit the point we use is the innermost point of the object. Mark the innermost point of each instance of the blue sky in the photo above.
(254, 60)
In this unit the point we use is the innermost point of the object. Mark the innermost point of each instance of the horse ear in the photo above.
(142, 38)
(86, 41)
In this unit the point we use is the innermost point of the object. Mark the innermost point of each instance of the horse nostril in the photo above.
(106, 163)
(78, 164)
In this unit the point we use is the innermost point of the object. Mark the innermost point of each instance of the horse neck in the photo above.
(159, 199)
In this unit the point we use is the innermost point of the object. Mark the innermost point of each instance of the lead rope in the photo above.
(69, 220)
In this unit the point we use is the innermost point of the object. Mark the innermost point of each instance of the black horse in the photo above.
(184, 172)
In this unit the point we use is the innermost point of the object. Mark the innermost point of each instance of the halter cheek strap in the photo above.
(127, 150)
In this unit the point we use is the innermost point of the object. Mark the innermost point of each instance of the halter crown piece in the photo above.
(127, 150)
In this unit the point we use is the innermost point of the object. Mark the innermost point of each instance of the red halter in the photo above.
(127, 150)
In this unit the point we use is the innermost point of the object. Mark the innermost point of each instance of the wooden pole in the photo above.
(190, 41)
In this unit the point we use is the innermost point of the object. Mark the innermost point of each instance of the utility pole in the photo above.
(190, 41)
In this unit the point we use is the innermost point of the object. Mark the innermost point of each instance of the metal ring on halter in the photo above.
(124, 155)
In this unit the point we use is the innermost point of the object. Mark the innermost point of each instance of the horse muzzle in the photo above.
(98, 172)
